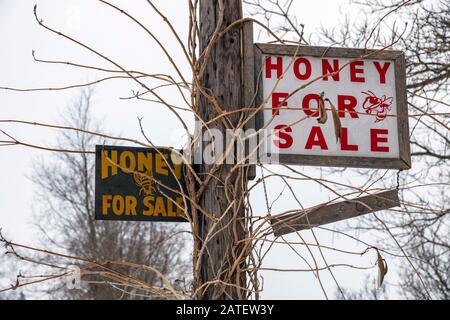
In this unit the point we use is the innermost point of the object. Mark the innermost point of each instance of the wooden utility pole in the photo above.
(222, 273)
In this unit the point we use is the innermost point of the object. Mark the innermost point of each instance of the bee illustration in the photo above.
(145, 183)
(379, 105)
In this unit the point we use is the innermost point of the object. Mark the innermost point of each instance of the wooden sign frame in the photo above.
(402, 162)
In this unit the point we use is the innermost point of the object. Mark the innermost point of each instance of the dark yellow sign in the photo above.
(138, 184)
(324, 214)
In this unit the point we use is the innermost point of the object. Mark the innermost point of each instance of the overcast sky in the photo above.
(112, 34)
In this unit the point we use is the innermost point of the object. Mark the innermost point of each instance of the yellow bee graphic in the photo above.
(145, 182)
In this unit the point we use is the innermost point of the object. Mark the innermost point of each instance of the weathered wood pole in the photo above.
(221, 275)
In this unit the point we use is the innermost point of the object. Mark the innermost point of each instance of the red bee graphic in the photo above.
(379, 105)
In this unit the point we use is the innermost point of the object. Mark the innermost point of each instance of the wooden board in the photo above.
(248, 65)
(321, 215)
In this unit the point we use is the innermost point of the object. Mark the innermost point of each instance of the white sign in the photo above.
(367, 93)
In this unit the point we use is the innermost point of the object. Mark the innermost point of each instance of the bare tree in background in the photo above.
(369, 291)
(423, 32)
(7, 263)
(65, 201)
(425, 236)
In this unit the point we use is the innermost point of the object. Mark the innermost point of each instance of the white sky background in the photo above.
(113, 34)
